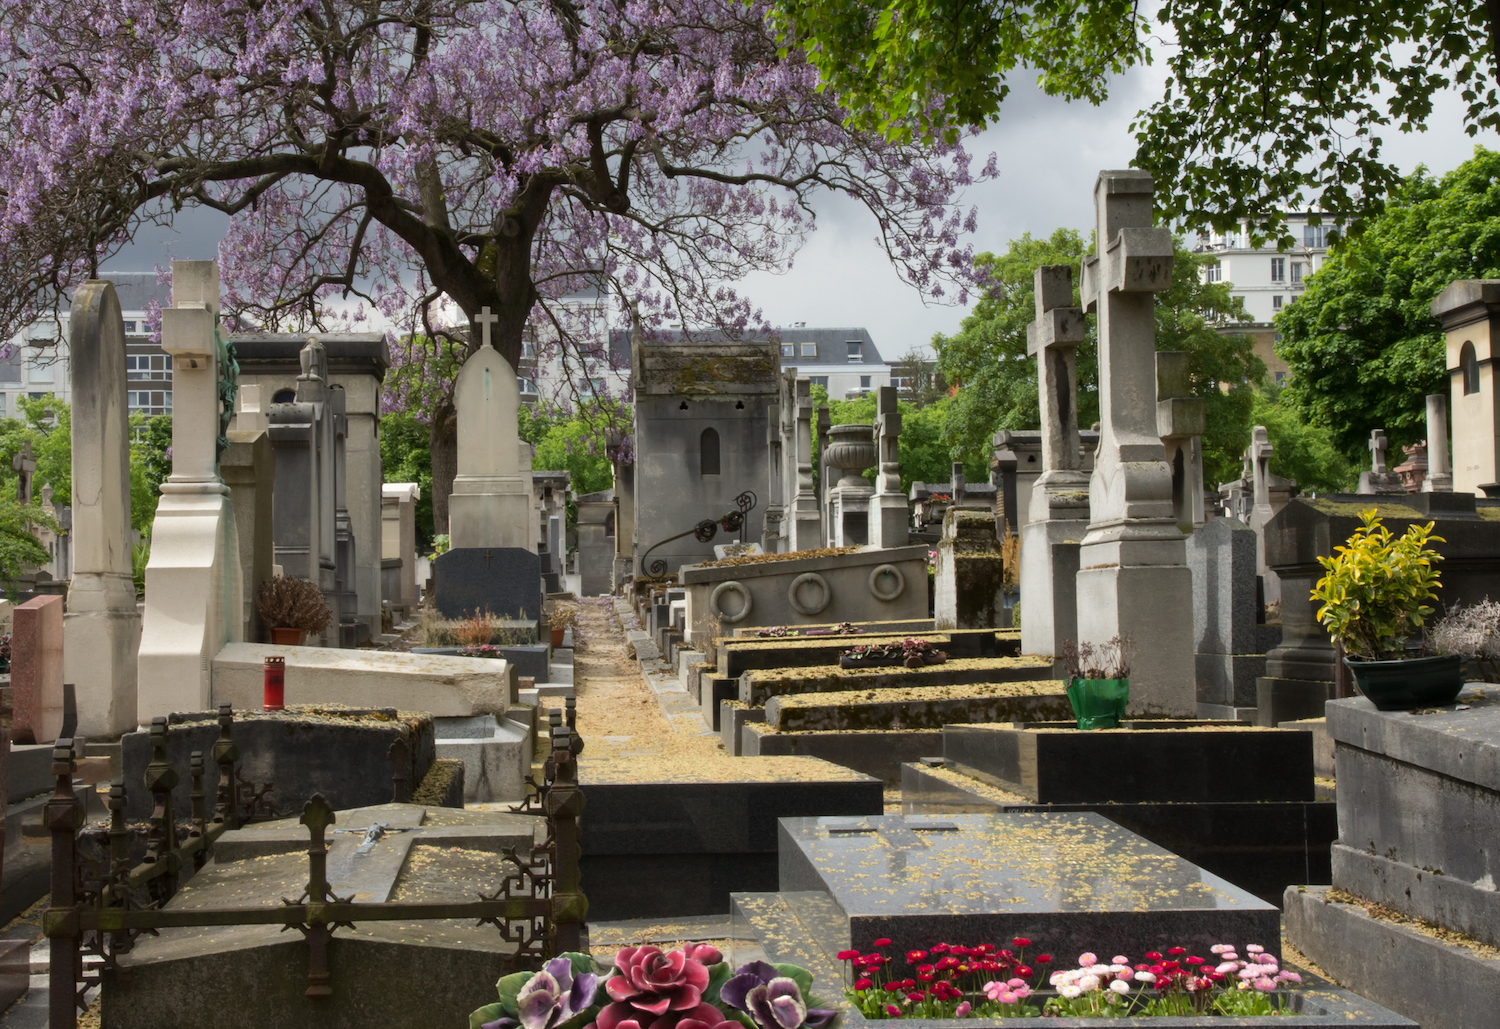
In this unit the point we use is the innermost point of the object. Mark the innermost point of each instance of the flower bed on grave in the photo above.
(789, 632)
(910, 653)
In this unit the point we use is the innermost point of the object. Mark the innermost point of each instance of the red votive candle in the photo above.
(275, 683)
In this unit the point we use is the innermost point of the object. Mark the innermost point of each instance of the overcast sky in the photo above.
(1049, 155)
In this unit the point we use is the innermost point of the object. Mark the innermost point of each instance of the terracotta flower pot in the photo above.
(282, 636)
(557, 635)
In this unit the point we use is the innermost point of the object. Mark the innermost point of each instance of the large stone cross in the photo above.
(1378, 445)
(1053, 340)
(484, 319)
(24, 464)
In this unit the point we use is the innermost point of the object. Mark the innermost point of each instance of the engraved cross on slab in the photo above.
(896, 831)
(484, 319)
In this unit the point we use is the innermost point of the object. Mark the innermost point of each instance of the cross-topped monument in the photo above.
(1379, 479)
(486, 321)
(1133, 579)
(1059, 498)
(24, 465)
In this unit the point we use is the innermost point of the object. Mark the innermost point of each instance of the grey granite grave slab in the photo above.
(744, 653)
(876, 752)
(1067, 765)
(503, 581)
(1076, 882)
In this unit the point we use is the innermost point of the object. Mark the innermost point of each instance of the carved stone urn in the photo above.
(851, 449)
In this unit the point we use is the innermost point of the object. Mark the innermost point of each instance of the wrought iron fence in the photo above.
(537, 903)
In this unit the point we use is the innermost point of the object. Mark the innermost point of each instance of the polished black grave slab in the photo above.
(1071, 882)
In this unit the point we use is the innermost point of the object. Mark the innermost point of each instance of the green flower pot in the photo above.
(1413, 682)
(1099, 703)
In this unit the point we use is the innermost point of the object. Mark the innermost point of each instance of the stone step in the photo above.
(875, 752)
(746, 653)
(921, 707)
(758, 686)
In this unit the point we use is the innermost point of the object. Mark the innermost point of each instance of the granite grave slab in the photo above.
(1074, 882)
(503, 581)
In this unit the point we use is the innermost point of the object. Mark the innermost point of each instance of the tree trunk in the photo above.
(443, 438)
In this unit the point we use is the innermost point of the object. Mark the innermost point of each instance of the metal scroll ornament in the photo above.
(705, 531)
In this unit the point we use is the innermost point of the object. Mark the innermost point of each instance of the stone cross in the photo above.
(1439, 466)
(24, 464)
(1379, 479)
(485, 321)
(1259, 458)
(1053, 340)
(1133, 580)
(1378, 446)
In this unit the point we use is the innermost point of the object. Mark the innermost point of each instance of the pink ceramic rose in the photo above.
(653, 990)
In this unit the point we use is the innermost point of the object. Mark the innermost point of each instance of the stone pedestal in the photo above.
(193, 590)
(1229, 642)
(249, 470)
(596, 542)
(1133, 579)
(969, 582)
(103, 624)
(850, 451)
(890, 514)
(398, 547)
(36, 670)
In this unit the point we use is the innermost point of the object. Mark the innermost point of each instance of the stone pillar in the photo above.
(398, 547)
(890, 513)
(596, 516)
(1059, 508)
(622, 464)
(822, 426)
(103, 625)
(353, 630)
(36, 671)
(1469, 311)
(1133, 579)
(193, 587)
(249, 470)
(806, 517)
(771, 531)
(1021, 451)
(491, 503)
(969, 581)
(1181, 421)
(1379, 480)
(1439, 468)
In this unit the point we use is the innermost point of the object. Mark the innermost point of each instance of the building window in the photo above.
(526, 385)
(10, 368)
(2, 405)
(1278, 269)
(1469, 362)
(809, 350)
(856, 350)
(148, 366)
(1277, 301)
(864, 382)
(44, 369)
(1213, 272)
(788, 350)
(818, 380)
(284, 396)
(1296, 271)
(1318, 236)
(708, 453)
(1280, 378)
(149, 401)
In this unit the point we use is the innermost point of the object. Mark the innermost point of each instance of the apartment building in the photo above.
(1266, 278)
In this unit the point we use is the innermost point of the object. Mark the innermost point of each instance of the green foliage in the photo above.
(150, 439)
(19, 548)
(1302, 452)
(1269, 106)
(924, 383)
(1376, 588)
(1362, 344)
(999, 385)
(924, 454)
(46, 424)
(573, 446)
(140, 556)
(406, 456)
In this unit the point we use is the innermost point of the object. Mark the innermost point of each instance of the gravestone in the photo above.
(1268, 494)
(398, 542)
(304, 522)
(1439, 468)
(36, 670)
(1059, 509)
(596, 542)
(802, 520)
(969, 581)
(1133, 580)
(850, 450)
(193, 580)
(505, 582)
(889, 511)
(1379, 480)
(1229, 639)
(249, 470)
(490, 505)
(351, 629)
(1181, 421)
(102, 625)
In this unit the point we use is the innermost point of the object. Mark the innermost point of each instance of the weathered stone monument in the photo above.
(1058, 516)
(249, 470)
(102, 626)
(890, 513)
(1439, 468)
(1133, 579)
(491, 501)
(596, 542)
(1469, 311)
(1268, 494)
(1230, 639)
(1181, 421)
(799, 518)
(303, 520)
(193, 580)
(969, 581)
(1379, 480)
(36, 675)
(398, 542)
(850, 450)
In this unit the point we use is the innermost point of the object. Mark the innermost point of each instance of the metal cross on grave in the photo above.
(1378, 446)
(24, 464)
(484, 319)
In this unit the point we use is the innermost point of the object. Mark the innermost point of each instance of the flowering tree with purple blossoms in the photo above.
(429, 158)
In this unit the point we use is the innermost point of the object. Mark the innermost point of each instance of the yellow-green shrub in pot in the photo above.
(1374, 598)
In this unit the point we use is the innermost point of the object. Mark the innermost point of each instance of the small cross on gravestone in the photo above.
(485, 320)
(1379, 479)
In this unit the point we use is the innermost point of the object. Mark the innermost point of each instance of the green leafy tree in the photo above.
(1303, 452)
(988, 353)
(1270, 105)
(150, 464)
(922, 382)
(1363, 347)
(406, 456)
(47, 424)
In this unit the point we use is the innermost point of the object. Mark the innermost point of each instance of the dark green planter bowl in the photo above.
(1098, 703)
(1413, 682)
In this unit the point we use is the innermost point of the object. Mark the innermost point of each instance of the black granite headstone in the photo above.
(505, 582)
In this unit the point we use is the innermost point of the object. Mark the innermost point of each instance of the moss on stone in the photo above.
(442, 785)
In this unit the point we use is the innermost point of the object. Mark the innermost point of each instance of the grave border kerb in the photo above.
(692, 574)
